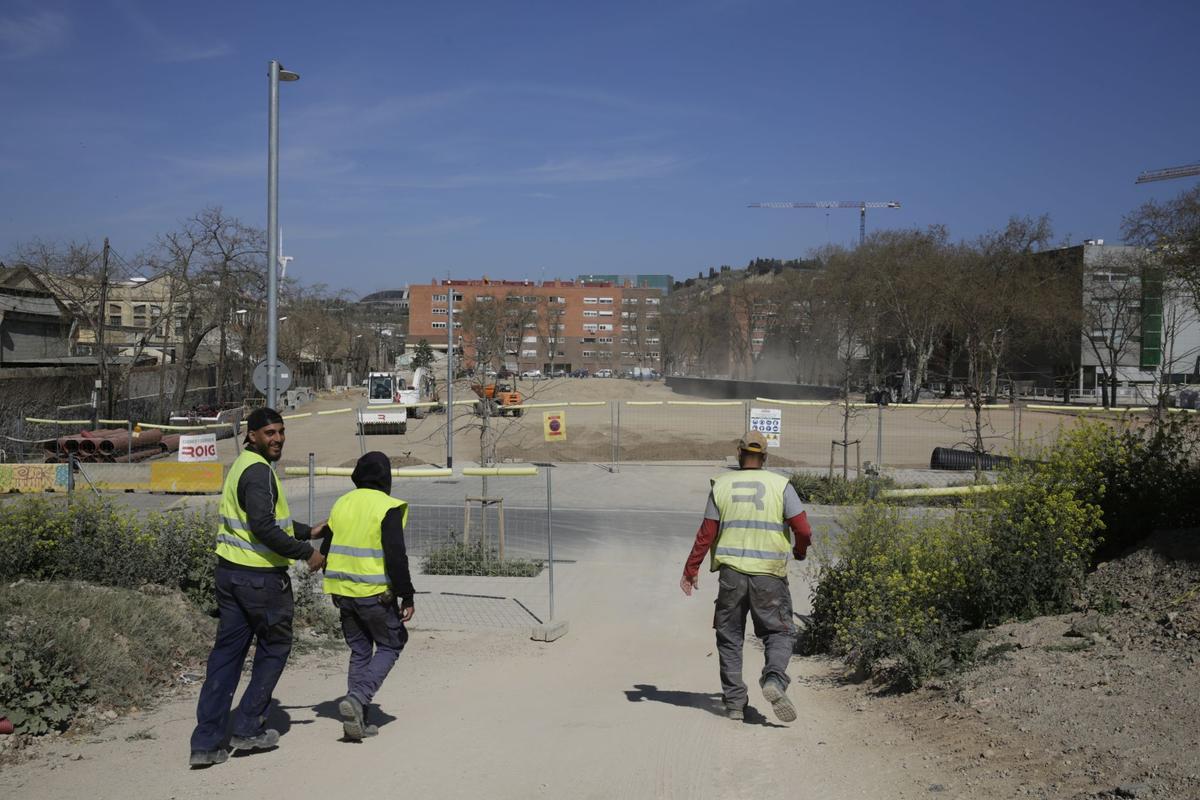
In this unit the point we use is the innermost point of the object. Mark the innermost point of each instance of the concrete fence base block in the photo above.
(550, 631)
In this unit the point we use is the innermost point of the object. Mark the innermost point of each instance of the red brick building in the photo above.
(566, 325)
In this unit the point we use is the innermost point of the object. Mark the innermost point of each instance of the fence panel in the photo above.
(477, 546)
(680, 430)
(588, 434)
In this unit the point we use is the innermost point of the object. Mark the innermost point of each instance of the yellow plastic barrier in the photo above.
(346, 472)
(59, 421)
(501, 472)
(112, 422)
(334, 411)
(643, 402)
(204, 477)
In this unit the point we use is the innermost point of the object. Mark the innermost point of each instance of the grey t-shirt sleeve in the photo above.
(791, 502)
(710, 511)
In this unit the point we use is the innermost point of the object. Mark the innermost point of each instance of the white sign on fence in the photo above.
(201, 447)
(768, 422)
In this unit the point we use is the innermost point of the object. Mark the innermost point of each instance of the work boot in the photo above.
(353, 724)
(776, 695)
(207, 758)
(737, 713)
(261, 741)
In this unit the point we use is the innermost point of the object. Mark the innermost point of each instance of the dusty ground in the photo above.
(1104, 702)
(649, 433)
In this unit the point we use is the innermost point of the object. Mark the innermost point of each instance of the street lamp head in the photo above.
(288, 75)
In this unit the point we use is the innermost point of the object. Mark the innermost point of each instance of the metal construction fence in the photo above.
(479, 541)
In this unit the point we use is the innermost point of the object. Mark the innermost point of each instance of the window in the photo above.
(589, 301)
(529, 354)
(458, 297)
(651, 301)
(591, 313)
(484, 298)
(139, 315)
(529, 339)
(655, 340)
(591, 327)
(589, 353)
(605, 340)
(604, 327)
(589, 340)
(439, 298)
(606, 301)
(115, 314)
(606, 313)
(439, 311)
(653, 354)
(436, 324)
(457, 324)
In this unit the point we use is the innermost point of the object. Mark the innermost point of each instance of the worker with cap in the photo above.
(745, 531)
(367, 575)
(256, 542)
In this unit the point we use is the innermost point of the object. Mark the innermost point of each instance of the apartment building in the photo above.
(552, 325)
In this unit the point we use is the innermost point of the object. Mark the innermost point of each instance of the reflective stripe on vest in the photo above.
(753, 538)
(235, 542)
(355, 567)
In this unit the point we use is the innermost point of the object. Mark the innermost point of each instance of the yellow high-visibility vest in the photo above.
(235, 542)
(355, 565)
(753, 537)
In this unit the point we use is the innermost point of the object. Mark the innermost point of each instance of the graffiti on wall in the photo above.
(33, 478)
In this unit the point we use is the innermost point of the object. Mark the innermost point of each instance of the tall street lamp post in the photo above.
(277, 73)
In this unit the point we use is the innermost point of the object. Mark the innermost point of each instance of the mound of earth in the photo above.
(1103, 702)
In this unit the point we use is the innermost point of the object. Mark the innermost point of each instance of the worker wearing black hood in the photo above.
(366, 573)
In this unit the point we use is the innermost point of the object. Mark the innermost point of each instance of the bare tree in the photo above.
(1112, 316)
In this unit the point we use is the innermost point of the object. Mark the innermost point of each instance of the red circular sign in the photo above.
(555, 425)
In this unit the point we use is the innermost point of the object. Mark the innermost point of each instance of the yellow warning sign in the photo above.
(554, 425)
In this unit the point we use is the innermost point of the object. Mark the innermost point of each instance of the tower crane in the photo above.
(1169, 173)
(861, 205)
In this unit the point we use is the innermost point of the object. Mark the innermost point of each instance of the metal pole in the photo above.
(272, 233)
(70, 477)
(550, 537)
(450, 375)
(312, 473)
(879, 440)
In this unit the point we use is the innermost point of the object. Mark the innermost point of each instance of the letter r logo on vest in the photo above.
(758, 489)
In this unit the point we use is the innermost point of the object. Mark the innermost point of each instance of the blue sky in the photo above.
(549, 139)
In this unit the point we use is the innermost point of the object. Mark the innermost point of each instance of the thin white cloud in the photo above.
(24, 37)
(166, 46)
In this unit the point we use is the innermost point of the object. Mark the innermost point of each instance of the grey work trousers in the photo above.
(769, 603)
(376, 635)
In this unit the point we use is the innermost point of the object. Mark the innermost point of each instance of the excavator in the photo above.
(501, 399)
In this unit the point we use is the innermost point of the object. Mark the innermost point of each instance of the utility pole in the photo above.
(449, 375)
(101, 324)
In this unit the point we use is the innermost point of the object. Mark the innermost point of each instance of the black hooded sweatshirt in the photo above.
(374, 471)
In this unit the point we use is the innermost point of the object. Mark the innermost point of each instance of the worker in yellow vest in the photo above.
(256, 541)
(745, 531)
(367, 575)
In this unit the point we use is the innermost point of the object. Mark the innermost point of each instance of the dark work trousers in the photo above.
(252, 605)
(376, 635)
(769, 603)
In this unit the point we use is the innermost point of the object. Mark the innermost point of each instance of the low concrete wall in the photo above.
(33, 478)
(724, 389)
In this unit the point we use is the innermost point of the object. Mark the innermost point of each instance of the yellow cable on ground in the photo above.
(704, 402)
(502, 472)
(1086, 409)
(942, 491)
(346, 472)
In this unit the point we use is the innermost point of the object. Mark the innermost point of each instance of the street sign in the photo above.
(554, 426)
(283, 376)
(768, 422)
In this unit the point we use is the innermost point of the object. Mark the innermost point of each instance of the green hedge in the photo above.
(97, 541)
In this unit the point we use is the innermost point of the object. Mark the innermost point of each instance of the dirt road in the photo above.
(626, 706)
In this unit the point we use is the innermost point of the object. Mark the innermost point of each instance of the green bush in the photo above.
(896, 592)
(456, 558)
(66, 646)
(836, 491)
(97, 541)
